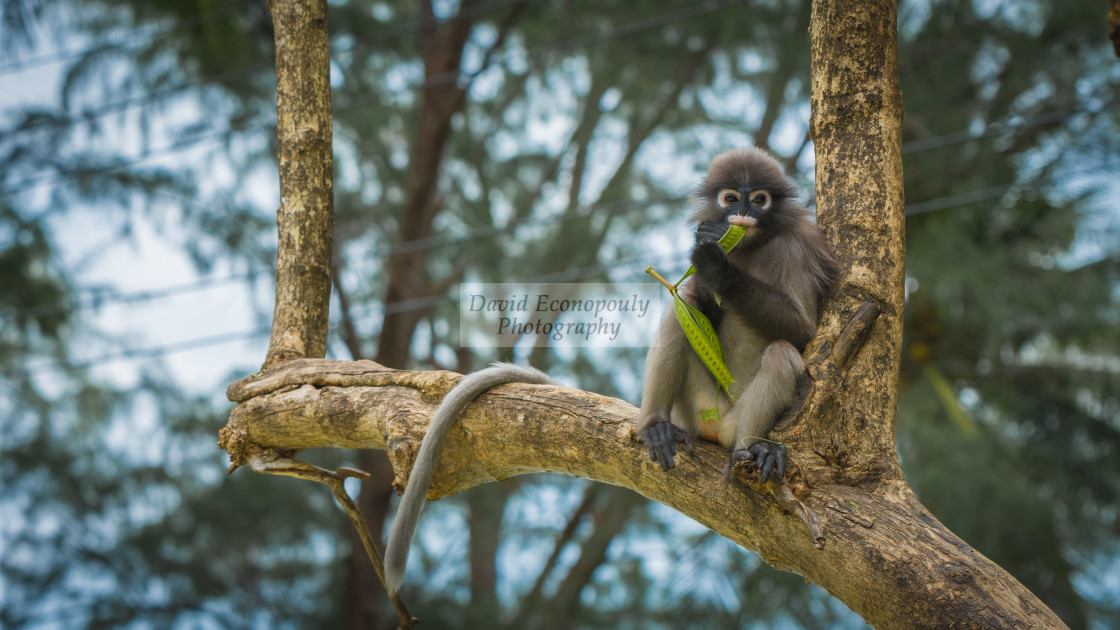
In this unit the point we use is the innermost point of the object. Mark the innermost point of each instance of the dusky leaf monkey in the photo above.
(763, 299)
(770, 286)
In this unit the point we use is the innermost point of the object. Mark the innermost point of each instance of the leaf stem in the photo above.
(651, 271)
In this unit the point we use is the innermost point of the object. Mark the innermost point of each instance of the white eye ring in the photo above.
(761, 199)
(727, 197)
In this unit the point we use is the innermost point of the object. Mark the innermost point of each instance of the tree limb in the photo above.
(267, 462)
(878, 533)
(306, 214)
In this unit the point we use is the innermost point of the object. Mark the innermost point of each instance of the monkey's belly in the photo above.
(742, 349)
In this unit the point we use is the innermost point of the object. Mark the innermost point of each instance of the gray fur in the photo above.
(765, 396)
(790, 254)
(420, 479)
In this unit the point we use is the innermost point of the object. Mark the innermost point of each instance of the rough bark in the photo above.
(844, 518)
(884, 555)
(306, 214)
(856, 116)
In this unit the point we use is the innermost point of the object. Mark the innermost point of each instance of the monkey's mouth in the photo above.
(748, 222)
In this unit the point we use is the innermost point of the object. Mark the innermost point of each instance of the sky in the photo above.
(211, 322)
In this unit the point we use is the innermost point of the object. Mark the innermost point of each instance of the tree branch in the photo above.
(267, 463)
(306, 214)
(1113, 20)
(877, 534)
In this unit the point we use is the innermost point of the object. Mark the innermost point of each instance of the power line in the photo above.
(963, 199)
(152, 352)
(389, 34)
(223, 338)
(400, 306)
(583, 40)
(623, 205)
(579, 41)
(97, 298)
(996, 128)
(182, 144)
(632, 28)
(383, 36)
(128, 39)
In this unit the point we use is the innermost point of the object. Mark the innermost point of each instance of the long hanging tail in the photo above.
(420, 479)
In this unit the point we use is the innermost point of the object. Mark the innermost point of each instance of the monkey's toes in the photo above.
(661, 439)
(768, 458)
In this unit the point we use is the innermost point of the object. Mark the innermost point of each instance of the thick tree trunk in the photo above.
(306, 216)
(844, 517)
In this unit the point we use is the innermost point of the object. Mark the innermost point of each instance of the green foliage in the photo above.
(568, 160)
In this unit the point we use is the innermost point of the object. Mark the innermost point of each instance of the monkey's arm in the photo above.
(773, 313)
(667, 365)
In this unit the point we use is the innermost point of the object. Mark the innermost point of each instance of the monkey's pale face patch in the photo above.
(750, 223)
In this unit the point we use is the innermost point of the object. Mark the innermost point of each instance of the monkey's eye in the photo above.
(761, 199)
(727, 198)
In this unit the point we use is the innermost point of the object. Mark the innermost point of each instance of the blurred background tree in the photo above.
(532, 140)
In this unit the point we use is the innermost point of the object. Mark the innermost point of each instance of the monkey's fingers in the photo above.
(664, 452)
(771, 459)
(711, 231)
(661, 439)
(711, 263)
(739, 455)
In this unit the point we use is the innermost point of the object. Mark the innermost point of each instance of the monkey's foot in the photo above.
(768, 457)
(661, 439)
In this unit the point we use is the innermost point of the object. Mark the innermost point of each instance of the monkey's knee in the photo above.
(780, 357)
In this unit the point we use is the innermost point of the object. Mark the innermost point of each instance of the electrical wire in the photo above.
(383, 36)
(127, 40)
(43, 310)
(417, 304)
(96, 299)
(584, 40)
(581, 41)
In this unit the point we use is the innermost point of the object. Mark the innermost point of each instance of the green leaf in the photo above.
(728, 241)
(704, 341)
(697, 329)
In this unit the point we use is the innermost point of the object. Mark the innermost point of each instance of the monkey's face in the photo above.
(744, 206)
(743, 187)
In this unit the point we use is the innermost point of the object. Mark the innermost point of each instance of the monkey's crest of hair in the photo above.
(750, 168)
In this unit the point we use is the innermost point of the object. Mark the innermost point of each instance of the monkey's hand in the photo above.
(661, 439)
(711, 231)
(768, 457)
(714, 270)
